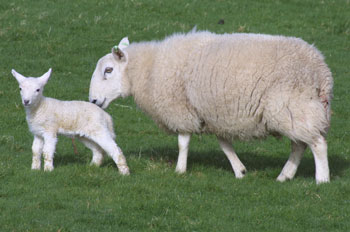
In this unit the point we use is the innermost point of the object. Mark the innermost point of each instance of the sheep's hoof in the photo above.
(322, 181)
(180, 170)
(241, 173)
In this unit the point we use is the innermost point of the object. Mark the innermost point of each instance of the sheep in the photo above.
(48, 117)
(235, 86)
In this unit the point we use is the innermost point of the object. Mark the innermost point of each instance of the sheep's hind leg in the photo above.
(290, 168)
(237, 166)
(111, 148)
(97, 152)
(183, 141)
(37, 149)
(319, 150)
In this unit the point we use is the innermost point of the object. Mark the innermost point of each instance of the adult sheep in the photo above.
(236, 86)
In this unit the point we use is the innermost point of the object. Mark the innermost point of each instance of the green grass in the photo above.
(70, 36)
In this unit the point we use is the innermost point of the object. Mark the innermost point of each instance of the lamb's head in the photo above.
(108, 80)
(31, 89)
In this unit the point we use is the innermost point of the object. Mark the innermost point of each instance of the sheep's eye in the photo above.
(20, 89)
(38, 90)
(108, 70)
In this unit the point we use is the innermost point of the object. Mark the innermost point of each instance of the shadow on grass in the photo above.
(252, 161)
(71, 158)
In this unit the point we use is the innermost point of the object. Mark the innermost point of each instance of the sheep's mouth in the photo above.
(102, 103)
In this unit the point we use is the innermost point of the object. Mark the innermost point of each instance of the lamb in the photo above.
(47, 117)
(235, 86)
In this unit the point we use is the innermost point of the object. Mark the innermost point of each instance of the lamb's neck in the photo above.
(33, 110)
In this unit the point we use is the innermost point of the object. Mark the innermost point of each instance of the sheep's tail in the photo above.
(326, 92)
(194, 29)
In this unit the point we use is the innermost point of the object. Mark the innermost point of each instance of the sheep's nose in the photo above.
(26, 102)
(94, 101)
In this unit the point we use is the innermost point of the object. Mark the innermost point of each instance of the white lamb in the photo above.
(240, 86)
(48, 117)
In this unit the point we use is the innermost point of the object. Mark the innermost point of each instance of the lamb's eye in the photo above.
(20, 89)
(108, 70)
(38, 90)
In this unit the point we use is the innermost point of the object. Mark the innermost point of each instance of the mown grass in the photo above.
(70, 36)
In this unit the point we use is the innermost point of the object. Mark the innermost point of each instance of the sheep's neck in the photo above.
(138, 69)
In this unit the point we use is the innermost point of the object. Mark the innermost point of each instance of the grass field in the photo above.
(70, 36)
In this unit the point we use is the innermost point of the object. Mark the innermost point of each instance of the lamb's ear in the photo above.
(18, 76)
(119, 52)
(44, 78)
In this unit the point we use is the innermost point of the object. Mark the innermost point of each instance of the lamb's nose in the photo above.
(94, 101)
(26, 102)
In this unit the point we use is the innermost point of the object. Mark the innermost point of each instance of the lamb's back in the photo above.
(70, 117)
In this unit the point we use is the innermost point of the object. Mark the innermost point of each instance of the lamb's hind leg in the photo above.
(110, 147)
(97, 152)
(184, 141)
(37, 149)
(290, 168)
(237, 166)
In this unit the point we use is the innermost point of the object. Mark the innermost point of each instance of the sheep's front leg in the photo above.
(37, 149)
(237, 166)
(49, 150)
(184, 141)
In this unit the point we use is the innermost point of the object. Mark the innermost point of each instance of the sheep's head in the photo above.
(107, 82)
(31, 89)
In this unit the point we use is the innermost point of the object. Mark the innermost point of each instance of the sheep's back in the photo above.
(233, 78)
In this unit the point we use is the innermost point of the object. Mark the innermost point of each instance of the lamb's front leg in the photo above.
(49, 150)
(184, 142)
(37, 149)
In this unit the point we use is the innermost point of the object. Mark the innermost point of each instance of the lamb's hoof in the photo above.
(48, 168)
(95, 164)
(36, 167)
(124, 171)
(282, 178)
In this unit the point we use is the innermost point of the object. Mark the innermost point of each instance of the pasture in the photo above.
(70, 37)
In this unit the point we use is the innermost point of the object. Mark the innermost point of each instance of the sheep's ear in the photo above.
(119, 51)
(124, 43)
(19, 77)
(44, 78)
